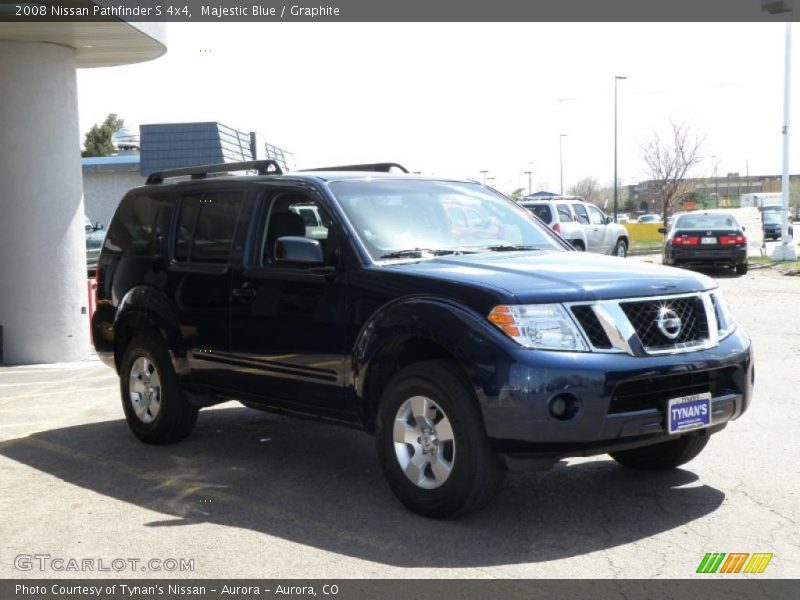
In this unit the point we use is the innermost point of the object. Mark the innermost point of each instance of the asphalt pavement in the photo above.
(255, 495)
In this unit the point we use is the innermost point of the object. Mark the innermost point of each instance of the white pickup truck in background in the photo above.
(583, 225)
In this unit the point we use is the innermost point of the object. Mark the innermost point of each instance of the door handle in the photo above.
(244, 292)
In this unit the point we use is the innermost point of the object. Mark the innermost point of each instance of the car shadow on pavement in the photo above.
(321, 485)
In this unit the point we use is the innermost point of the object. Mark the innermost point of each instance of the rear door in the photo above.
(199, 280)
(594, 236)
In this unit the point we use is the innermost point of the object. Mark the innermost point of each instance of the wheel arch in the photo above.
(415, 330)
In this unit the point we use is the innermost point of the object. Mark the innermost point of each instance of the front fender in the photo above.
(474, 343)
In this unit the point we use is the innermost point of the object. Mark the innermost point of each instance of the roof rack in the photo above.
(200, 172)
(376, 167)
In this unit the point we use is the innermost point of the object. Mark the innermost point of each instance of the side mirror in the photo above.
(662, 231)
(744, 228)
(298, 250)
(609, 220)
(99, 226)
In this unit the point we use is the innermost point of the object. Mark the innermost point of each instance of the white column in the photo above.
(43, 294)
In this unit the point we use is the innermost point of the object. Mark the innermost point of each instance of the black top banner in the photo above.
(401, 10)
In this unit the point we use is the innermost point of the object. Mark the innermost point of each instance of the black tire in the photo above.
(741, 269)
(578, 245)
(664, 456)
(476, 472)
(620, 249)
(176, 417)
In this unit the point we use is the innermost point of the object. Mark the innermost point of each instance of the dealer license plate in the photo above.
(689, 412)
(708, 240)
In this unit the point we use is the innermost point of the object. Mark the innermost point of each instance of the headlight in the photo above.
(726, 323)
(542, 326)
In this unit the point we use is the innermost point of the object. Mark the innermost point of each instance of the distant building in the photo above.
(722, 191)
(166, 146)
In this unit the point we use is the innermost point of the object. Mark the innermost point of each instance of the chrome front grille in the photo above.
(657, 325)
(644, 318)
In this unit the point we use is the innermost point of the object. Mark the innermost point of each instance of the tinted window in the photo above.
(206, 226)
(542, 211)
(131, 229)
(580, 212)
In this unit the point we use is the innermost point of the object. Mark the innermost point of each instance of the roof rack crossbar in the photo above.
(375, 167)
(200, 172)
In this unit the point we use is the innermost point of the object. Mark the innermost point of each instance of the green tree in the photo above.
(518, 193)
(98, 138)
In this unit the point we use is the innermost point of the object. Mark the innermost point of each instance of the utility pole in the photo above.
(561, 159)
(786, 250)
(616, 193)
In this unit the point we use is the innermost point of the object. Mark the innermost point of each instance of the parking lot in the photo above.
(252, 494)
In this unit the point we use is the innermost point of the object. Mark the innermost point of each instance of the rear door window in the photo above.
(206, 227)
(565, 214)
(580, 212)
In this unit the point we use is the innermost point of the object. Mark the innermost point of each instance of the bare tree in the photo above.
(669, 161)
(587, 188)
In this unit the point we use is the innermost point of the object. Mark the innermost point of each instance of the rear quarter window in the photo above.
(542, 211)
(131, 230)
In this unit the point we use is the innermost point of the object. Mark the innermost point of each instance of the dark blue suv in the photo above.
(435, 313)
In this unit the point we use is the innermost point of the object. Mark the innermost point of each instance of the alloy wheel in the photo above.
(424, 443)
(144, 388)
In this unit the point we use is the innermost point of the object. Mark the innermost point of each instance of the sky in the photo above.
(452, 99)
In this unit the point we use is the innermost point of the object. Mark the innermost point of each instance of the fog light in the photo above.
(564, 407)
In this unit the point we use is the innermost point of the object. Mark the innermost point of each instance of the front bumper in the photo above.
(622, 398)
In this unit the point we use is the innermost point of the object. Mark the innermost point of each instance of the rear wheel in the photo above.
(621, 249)
(432, 444)
(741, 269)
(155, 407)
(578, 245)
(664, 456)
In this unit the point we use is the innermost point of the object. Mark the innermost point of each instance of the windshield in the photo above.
(706, 221)
(772, 218)
(414, 218)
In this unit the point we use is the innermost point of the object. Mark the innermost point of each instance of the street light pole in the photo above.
(561, 159)
(786, 250)
(716, 178)
(491, 181)
(616, 193)
(484, 176)
(528, 173)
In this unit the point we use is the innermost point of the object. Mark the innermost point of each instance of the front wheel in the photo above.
(664, 456)
(155, 407)
(432, 444)
(621, 249)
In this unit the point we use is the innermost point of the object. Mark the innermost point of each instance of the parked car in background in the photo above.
(583, 225)
(94, 241)
(465, 350)
(649, 218)
(706, 238)
(772, 223)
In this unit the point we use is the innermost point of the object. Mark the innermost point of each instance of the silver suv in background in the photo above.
(583, 225)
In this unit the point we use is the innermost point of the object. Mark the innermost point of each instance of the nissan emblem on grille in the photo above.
(668, 322)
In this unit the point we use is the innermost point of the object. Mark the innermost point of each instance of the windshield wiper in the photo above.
(511, 248)
(421, 252)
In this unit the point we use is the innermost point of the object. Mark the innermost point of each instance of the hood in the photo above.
(537, 277)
